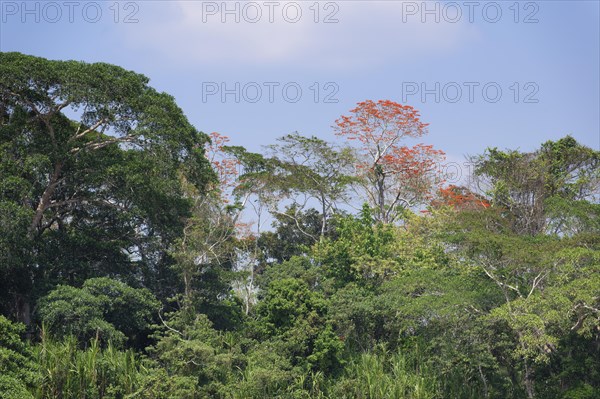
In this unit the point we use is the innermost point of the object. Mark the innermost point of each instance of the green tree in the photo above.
(553, 189)
(89, 156)
(549, 284)
(103, 308)
(295, 231)
(198, 360)
(308, 168)
(362, 251)
(292, 317)
(17, 369)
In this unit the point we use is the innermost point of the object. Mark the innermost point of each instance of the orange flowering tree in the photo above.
(393, 176)
(459, 198)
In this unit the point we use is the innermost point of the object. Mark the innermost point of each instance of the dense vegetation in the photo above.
(135, 262)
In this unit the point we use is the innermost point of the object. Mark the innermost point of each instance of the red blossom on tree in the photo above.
(459, 198)
(393, 175)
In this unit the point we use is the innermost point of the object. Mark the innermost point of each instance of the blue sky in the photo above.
(543, 56)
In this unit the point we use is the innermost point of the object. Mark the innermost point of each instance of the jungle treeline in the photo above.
(142, 258)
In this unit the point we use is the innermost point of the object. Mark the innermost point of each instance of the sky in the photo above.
(503, 74)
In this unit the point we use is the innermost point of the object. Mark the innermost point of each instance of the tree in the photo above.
(314, 168)
(206, 254)
(550, 286)
(291, 317)
(193, 353)
(362, 251)
(103, 308)
(89, 157)
(17, 366)
(393, 176)
(459, 198)
(295, 231)
(552, 189)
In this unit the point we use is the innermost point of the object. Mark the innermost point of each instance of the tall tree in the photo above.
(314, 168)
(552, 189)
(206, 254)
(89, 158)
(295, 231)
(393, 175)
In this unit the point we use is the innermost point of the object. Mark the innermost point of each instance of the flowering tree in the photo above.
(392, 175)
(460, 198)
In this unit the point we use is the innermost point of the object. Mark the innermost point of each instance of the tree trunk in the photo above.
(381, 197)
(484, 380)
(528, 382)
(324, 220)
(23, 310)
(45, 200)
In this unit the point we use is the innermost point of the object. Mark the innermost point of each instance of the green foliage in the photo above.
(314, 168)
(531, 185)
(95, 193)
(191, 350)
(327, 352)
(160, 385)
(13, 388)
(362, 252)
(295, 231)
(549, 284)
(14, 253)
(297, 267)
(68, 372)
(267, 374)
(204, 259)
(103, 308)
(382, 375)
(286, 301)
(105, 188)
(16, 362)
(73, 311)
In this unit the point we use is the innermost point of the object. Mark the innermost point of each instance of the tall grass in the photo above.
(69, 372)
(378, 375)
(371, 375)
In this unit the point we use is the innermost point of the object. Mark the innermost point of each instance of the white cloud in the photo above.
(366, 34)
